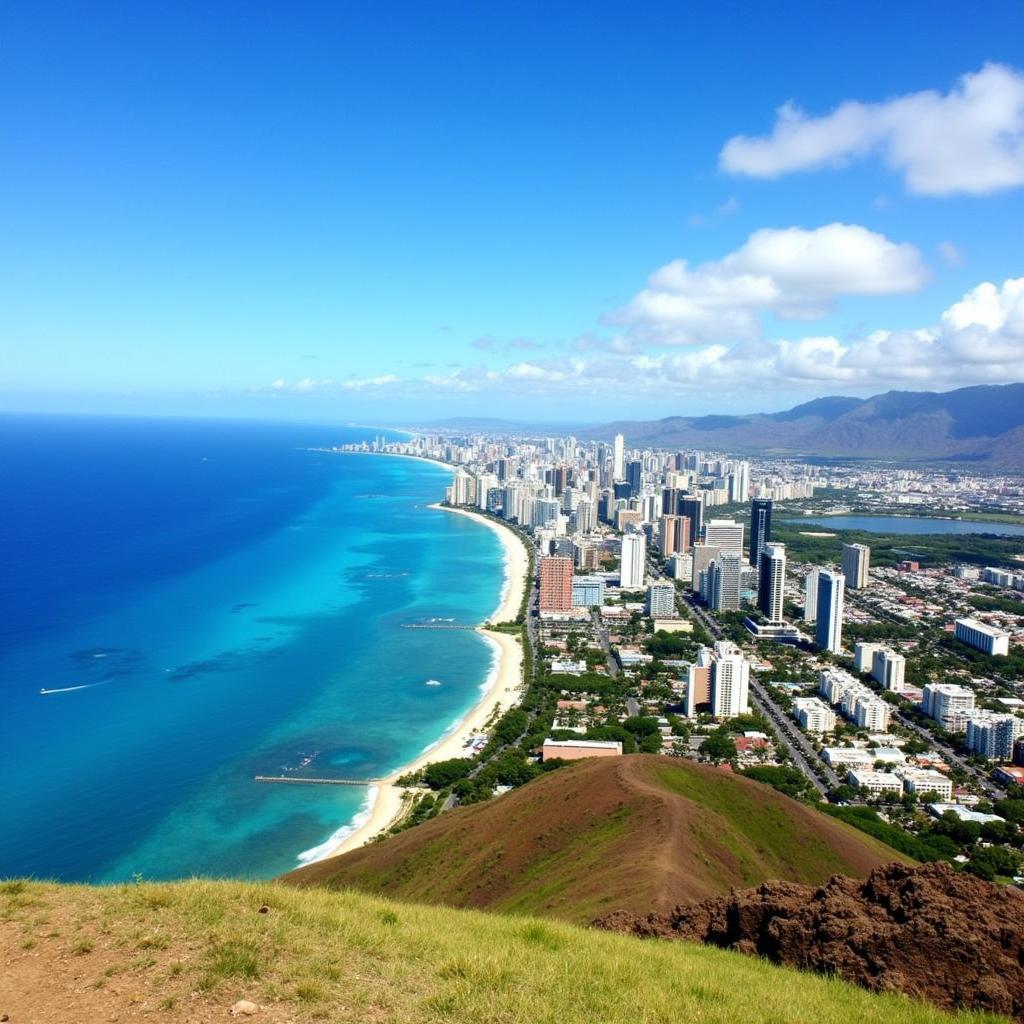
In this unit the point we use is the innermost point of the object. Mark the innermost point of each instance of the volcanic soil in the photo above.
(930, 932)
(640, 833)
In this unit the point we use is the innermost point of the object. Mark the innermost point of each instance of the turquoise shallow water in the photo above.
(286, 646)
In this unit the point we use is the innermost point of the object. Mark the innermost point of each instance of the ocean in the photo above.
(213, 601)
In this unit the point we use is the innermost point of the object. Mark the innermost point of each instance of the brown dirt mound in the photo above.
(928, 931)
(639, 833)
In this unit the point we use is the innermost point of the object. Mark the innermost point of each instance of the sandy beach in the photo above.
(504, 690)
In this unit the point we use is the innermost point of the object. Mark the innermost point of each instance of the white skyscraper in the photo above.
(831, 590)
(811, 596)
(724, 534)
(730, 680)
(619, 458)
(771, 581)
(724, 585)
(632, 565)
(740, 482)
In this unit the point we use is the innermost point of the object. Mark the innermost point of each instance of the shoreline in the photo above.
(502, 689)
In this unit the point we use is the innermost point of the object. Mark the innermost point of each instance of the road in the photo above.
(990, 789)
(602, 636)
(804, 756)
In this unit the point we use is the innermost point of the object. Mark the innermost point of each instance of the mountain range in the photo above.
(983, 425)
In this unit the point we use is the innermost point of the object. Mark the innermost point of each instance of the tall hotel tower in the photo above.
(771, 581)
(760, 527)
(829, 634)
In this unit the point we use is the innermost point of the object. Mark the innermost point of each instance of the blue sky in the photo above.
(409, 210)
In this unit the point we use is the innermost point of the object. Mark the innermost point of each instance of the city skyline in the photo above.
(378, 216)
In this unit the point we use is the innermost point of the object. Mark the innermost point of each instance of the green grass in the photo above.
(321, 955)
(759, 836)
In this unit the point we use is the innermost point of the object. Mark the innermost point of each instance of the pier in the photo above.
(298, 780)
(434, 625)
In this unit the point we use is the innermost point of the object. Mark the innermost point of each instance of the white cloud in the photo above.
(793, 272)
(978, 339)
(969, 140)
(362, 383)
(951, 254)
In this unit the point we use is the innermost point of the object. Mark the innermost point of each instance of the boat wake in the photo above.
(44, 692)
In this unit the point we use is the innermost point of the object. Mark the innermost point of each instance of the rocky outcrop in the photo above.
(928, 931)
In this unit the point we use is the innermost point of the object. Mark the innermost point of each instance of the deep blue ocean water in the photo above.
(228, 604)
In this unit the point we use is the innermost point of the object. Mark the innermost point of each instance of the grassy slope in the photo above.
(187, 951)
(639, 833)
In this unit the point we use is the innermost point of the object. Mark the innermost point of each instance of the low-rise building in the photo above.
(814, 715)
(985, 638)
(874, 782)
(925, 781)
(575, 750)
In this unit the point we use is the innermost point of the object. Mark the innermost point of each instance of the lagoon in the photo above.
(915, 525)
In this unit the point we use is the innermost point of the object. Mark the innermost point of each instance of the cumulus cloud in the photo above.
(792, 272)
(969, 140)
(978, 339)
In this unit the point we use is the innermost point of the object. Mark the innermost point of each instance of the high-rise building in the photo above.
(632, 564)
(692, 506)
(856, 561)
(673, 535)
(619, 458)
(555, 584)
(584, 516)
(723, 583)
(703, 556)
(992, 734)
(864, 655)
(948, 703)
(726, 534)
(462, 490)
(698, 684)
(588, 591)
(811, 596)
(831, 588)
(771, 581)
(485, 482)
(634, 477)
(889, 668)
(760, 527)
(661, 600)
(730, 680)
(740, 489)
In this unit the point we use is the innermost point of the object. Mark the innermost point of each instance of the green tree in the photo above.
(719, 746)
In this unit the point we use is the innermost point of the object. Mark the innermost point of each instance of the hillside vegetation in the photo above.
(188, 951)
(980, 424)
(639, 833)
